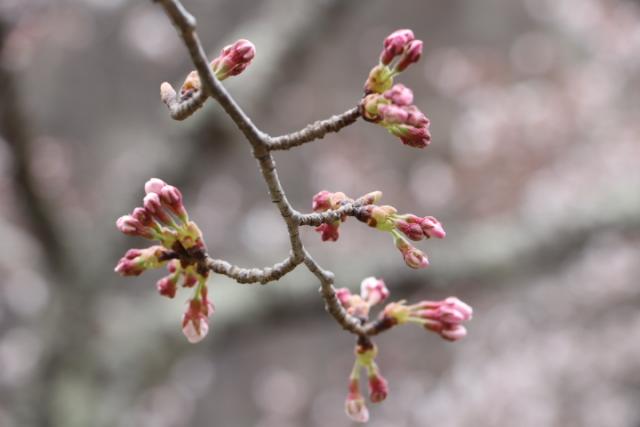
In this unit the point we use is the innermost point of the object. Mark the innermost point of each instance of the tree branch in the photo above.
(253, 275)
(314, 131)
(260, 141)
(315, 219)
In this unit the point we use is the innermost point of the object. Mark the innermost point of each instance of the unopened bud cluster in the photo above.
(384, 218)
(391, 105)
(233, 60)
(443, 317)
(372, 292)
(163, 217)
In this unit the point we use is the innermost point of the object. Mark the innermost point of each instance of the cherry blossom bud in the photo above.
(128, 267)
(378, 387)
(233, 59)
(412, 230)
(167, 286)
(143, 217)
(190, 280)
(154, 185)
(195, 324)
(418, 137)
(344, 296)
(445, 317)
(130, 226)
(354, 405)
(415, 117)
(395, 44)
(373, 290)
(431, 227)
(171, 197)
(153, 205)
(413, 257)
(393, 114)
(380, 79)
(454, 333)
(136, 261)
(321, 201)
(329, 232)
(399, 95)
(411, 55)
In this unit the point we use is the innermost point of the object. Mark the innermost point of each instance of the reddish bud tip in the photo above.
(167, 286)
(411, 55)
(378, 388)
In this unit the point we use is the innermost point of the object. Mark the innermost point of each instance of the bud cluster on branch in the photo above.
(180, 245)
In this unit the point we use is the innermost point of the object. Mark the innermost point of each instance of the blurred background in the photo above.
(534, 169)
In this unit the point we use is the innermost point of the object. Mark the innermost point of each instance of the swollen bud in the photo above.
(233, 59)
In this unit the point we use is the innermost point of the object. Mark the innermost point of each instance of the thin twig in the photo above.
(314, 131)
(315, 219)
(253, 275)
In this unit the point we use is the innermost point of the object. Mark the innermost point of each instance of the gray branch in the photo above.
(314, 131)
(262, 145)
(253, 275)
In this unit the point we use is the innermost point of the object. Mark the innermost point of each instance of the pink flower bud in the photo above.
(171, 197)
(431, 227)
(412, 136)
(393, 114)
(321, 201)
(413, 257)
(143, 217)
(167, 286)
(399, 95)
(233, 59)
(173, 266)
(195, 324)
(136, 261)
(415, 117)
(190, 280)
(378, 388)
(411, 230)
(373, 290)
(130, 226)
(344, 296)
(153, 206)
(329, 231)
(128, 267)
(411, 55)
(445, 317)
(354, 405)
(395, 44)
(154, 185)
(195, 329)
(454, 333)
(453, 303)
